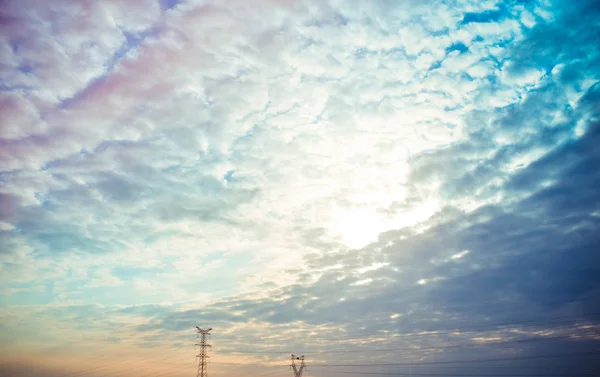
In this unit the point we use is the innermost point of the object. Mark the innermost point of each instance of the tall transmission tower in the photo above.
(294, 365)
(202, 355)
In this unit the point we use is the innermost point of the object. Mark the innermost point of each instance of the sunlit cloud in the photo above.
(302, 176)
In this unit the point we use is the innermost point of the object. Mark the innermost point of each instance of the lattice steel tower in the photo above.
(202, 355)
(294, 366)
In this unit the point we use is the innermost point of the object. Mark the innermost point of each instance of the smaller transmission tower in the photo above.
(202, 355)
(294, 365)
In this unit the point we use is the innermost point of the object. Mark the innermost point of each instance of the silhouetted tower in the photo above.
(294, 365)
(202, 355)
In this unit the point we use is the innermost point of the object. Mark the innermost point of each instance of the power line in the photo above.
(549, 356)
(469, 361)
(128, 352)
(119, 372)
(469, 375)
(485, 367)
(78, 373)
(164, 374)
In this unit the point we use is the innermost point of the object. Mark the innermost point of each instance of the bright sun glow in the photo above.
(359, 227)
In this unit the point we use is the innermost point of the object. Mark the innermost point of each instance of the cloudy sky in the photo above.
(409, 182)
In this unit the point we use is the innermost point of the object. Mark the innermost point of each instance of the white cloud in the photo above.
(363, 282)
(211, 93)
(239, 148)
(460, 254)
(104, 278)
(373, 267)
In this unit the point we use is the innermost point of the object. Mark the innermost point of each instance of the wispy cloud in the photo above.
(305, 173)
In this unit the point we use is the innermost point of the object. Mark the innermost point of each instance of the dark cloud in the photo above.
(8, 205)
(531, 266)
(527, 262)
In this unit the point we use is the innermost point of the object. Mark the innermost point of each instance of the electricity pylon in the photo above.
(202, 355)
(294, 366)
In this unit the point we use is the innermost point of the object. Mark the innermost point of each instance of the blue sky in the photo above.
(302, 176)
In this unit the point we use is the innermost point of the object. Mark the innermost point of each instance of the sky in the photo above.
(388, 187)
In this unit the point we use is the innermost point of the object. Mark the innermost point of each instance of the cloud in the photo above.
(339, 169)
